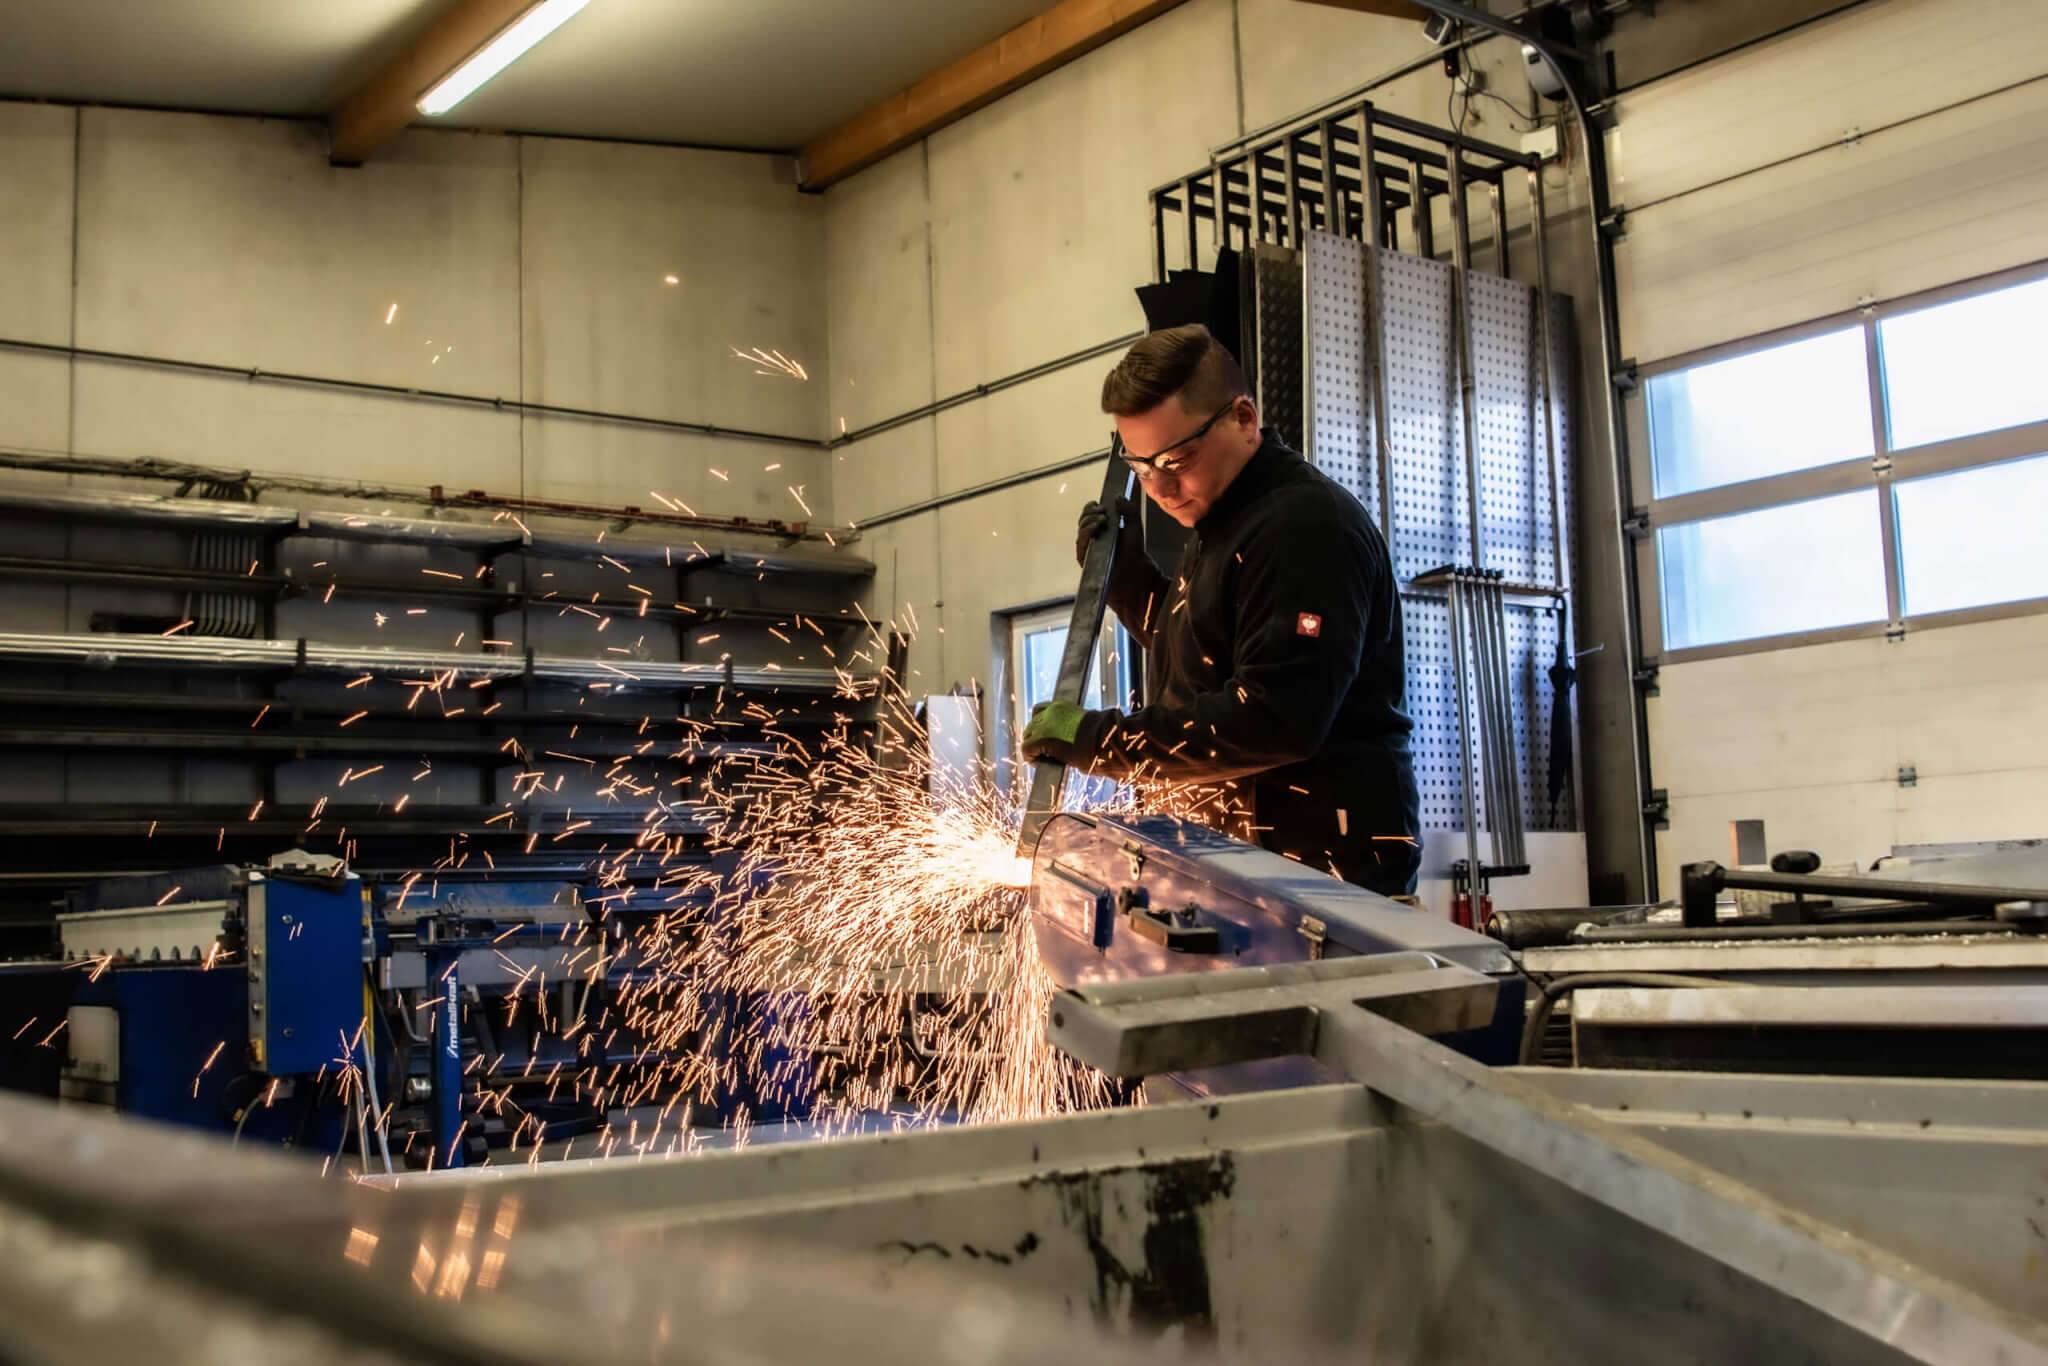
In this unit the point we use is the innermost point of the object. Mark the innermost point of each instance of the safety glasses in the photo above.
(1173, 458)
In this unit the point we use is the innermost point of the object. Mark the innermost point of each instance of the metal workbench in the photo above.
(1330, 1223)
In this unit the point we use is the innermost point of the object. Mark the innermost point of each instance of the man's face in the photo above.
(1197, 454)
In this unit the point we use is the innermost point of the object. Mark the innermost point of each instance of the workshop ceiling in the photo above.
(769, 74)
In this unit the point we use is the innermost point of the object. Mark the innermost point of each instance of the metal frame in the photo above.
(1882, 471)
(1114, 650)
(1091, 599)
(1246, 1013)
(323, 1273)
(1311, 177)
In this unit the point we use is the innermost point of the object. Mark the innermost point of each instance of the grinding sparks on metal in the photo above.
(884, 940)
(867, 952)
(798, 927)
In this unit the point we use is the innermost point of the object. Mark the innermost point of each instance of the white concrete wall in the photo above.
(525, 268)
(1889, 149)
(36, 166)
(1811, 740)
(1885, 150)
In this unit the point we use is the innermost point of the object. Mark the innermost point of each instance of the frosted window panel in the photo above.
(1042, 651)
(1802, 567)
(1793, 407)
(1971, 538)
(1971, 366)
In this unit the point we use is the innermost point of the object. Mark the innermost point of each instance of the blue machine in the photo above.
(184, 996)
(141, 1039)
(217, 998)
(306, 949)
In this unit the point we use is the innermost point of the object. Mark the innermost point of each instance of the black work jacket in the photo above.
(1277, 645)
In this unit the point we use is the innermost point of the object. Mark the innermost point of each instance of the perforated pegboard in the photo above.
(1338, 398)
(1334, 398)
(1532, 646)
(1315, 346)
(1277, 276)
(1424, 421)
(1515, 496)
(1514, 479)
(1563, 389)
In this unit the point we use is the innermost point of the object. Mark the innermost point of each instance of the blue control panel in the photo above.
(305, 972)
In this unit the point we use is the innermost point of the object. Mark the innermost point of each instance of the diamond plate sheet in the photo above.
(1277, 272)
(1315, 386)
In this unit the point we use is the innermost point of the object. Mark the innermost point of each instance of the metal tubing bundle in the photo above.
(1479, 653)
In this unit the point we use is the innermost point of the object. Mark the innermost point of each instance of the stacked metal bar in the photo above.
(1486, 731)
(203, 679)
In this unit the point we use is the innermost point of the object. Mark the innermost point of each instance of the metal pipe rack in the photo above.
(1313, 177)
(211, 708)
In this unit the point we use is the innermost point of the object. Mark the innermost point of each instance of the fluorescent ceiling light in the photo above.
(508, 47)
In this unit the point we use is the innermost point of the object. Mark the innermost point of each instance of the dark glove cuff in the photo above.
(1088, 738)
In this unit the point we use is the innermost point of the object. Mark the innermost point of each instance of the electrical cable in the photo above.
(1534, 121)
(227, 1092)
(1464, 84)
(405, 1020)
(1546, 1000)
(361, 1108)
(495, 403)
(370, 1014)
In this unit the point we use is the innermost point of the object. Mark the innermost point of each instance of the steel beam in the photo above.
(1091, 597)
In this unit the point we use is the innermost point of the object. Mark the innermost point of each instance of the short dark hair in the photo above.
(1187, 361)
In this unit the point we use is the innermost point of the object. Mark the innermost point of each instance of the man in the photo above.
(1277, 640)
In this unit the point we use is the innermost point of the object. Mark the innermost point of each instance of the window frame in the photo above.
(1886, 468)
(1115, 672)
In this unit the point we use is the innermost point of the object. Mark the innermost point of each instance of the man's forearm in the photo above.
(1185, 745)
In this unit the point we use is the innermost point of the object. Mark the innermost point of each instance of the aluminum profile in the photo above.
(221, 652)
(423, 529)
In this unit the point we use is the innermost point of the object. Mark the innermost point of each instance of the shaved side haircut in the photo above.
(1187, 361)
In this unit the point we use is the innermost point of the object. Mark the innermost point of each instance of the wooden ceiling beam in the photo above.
(1066, 31)
(389, 100)
(1392, 9)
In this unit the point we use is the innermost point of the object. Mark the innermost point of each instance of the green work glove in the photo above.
(1054, 728)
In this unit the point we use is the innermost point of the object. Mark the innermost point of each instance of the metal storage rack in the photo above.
(131, 747)
(1441, 395)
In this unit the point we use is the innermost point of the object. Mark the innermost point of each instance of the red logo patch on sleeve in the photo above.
(1308, 624)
